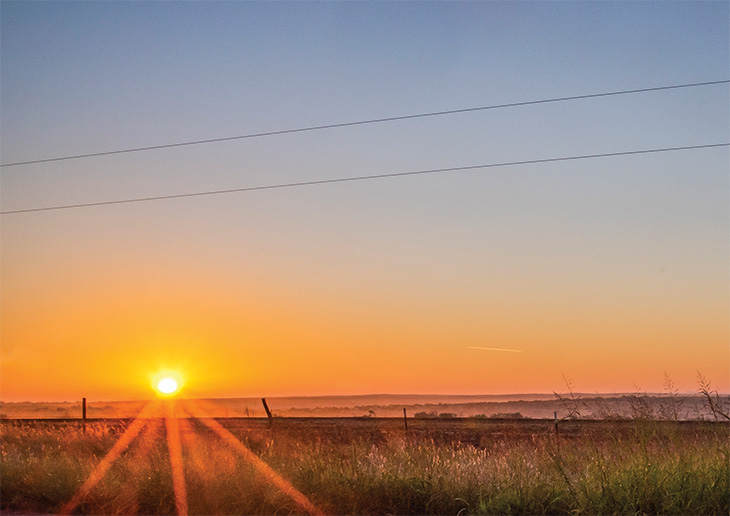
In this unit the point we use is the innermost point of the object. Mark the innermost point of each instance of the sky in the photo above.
(612, 273)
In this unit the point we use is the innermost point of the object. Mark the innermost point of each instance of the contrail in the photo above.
(496, 349)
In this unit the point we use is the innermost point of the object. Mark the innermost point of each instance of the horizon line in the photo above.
(551, 393)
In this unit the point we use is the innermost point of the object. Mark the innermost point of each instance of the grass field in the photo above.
(375, 466)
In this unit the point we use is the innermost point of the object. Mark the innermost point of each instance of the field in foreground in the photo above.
(375, 466)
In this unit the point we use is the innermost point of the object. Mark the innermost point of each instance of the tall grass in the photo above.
(652, 469)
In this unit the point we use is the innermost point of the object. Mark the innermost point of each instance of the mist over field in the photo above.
(686, 407)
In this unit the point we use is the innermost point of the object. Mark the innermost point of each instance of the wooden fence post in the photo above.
(268, 412)
(405, 419)
(557, 432)
(83, 413)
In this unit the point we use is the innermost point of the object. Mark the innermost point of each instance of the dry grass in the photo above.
(374, 467)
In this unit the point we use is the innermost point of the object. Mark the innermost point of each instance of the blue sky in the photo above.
(645, 236)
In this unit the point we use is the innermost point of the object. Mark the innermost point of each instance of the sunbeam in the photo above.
(140, 450)
(176, 460)
(122, 444)
(264, 469)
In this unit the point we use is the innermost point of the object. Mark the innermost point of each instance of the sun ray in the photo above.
(192, 445)
(264, 469)
(122, 444)
(176, 460)
(207, 466)
(147, 438)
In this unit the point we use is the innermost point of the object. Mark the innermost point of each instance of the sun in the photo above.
(167, 386)
(167, 383)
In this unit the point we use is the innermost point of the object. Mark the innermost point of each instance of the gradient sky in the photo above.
(611, 272)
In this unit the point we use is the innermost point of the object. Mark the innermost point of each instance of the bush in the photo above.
(425, 415)
(507, 415)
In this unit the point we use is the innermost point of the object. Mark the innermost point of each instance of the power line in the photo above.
(363, 178)
(364, 122)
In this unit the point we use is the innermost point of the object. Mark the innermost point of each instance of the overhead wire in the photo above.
(363, 122)
(367, 177)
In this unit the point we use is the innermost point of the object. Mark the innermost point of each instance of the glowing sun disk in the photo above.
(167, 386)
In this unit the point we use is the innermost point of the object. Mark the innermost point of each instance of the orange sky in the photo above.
(99, 328)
